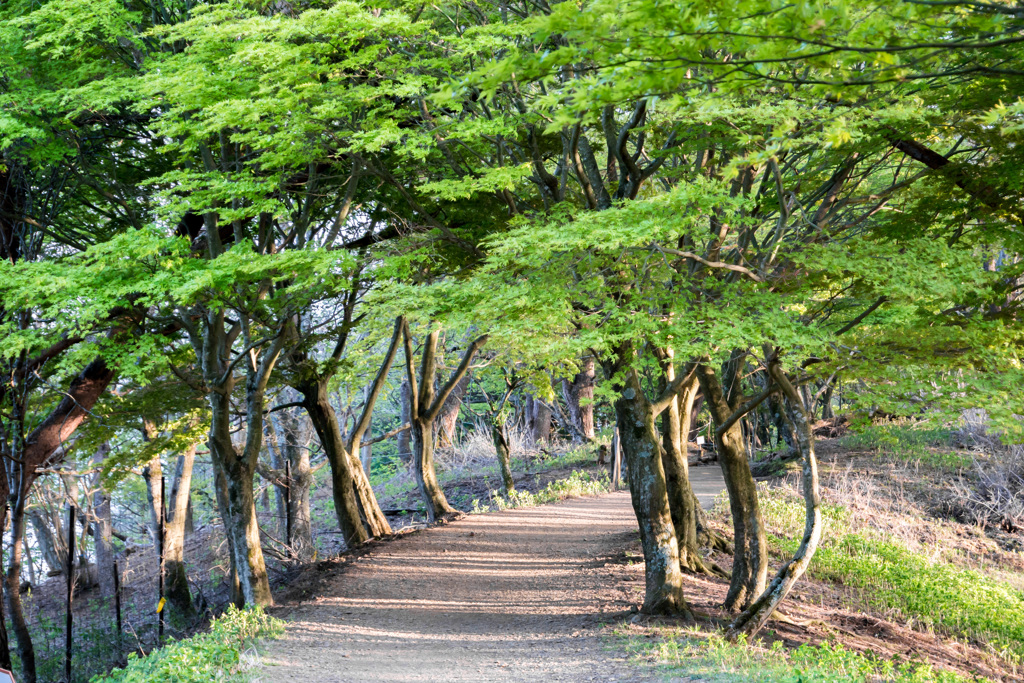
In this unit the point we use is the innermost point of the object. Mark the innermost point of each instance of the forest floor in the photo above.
(521, 594)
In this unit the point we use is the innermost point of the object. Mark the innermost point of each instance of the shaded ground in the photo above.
(519, 595)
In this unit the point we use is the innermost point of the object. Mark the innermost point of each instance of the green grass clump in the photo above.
(934, 592)
(215, 655)
(715, 659)
(908, 443)
(579, 483)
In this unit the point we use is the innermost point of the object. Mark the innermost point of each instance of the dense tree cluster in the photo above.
(218, 218)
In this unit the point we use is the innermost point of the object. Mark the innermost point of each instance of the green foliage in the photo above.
(215, 655)
(712, 658)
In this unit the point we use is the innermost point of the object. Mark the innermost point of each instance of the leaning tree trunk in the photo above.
(325, 423)
(26, 651)
(176, 575)
(500, 436)
(579, 398)
(750, 556)
(754, 617)
(649, 493)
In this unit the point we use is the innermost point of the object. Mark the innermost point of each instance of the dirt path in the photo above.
(519, 595)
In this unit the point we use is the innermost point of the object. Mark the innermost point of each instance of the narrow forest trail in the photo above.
(518, 595)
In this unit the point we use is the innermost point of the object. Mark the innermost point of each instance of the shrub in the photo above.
(216, 655)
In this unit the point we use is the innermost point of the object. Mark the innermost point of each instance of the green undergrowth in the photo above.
(919, 584)
(931, 447)
(219, 654)
(712, 658)
(578, 483)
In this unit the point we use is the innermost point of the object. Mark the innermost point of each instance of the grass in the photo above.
(225, 653)
(906, 442)
(712, 658)
(917, 583)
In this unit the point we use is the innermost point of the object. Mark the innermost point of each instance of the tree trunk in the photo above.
(425, 406)
(404, 443)
(750, 557)
(754, 618)
(425, 472)
(826, 403)
(677, 476)
(26, 651)
(501, 447)
(298, 499)
(579, 398)
(325, 423)
(239, 514)
(152, 473)
(541, 423)
(176, 576)
(778, 412)
(103, 529)
(448, 419)
(220, 487)
(649, 493)
(52, 550)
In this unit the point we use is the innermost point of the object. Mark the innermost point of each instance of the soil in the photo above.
(518, 595)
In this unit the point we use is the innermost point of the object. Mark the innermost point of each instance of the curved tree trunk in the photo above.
(649, 493)
(750, 556)
(754, 617)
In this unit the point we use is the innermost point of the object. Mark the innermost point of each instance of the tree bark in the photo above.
(750, 557)
(649, 492)
(359, 515)
(579, 398)
(152, 473)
